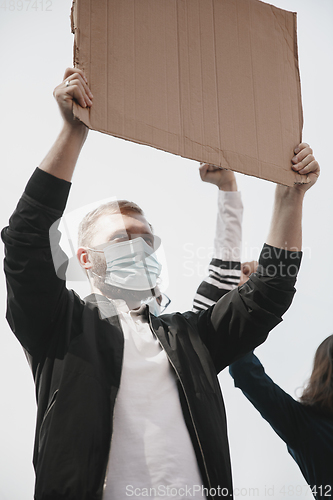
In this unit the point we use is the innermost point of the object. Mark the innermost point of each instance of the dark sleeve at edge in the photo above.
(279, 261)
(48, 189)
(280, 410)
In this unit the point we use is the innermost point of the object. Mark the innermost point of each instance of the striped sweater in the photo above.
(224, 269)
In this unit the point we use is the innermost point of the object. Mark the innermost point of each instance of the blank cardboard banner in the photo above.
(215, 81)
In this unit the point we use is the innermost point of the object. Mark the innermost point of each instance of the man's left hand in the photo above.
(305, 163)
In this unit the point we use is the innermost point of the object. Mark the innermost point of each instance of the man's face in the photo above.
(111, 229)
(115, 228)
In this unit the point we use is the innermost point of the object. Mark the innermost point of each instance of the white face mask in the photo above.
(132, 265)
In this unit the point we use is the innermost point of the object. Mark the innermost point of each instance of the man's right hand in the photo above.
(74, 87)
(62, 157)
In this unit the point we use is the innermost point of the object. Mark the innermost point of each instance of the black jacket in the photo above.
(75, 350)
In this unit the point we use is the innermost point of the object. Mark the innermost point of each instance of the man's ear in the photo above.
(84, 259)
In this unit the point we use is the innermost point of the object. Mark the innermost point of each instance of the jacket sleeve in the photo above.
(280, 410)
(36, 295)
(242, 319)
(224, 268)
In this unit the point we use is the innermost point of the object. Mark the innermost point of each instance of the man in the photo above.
(129, 404)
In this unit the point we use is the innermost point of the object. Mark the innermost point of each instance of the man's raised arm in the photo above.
(62, 158)
(286, 225)
(242, 319)
(37, 297)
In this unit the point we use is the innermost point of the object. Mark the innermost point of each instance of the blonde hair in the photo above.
(87, 226)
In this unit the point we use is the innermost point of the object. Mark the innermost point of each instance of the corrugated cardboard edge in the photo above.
(80, 113)
(83, 114)
(298, 76)
(299, 179)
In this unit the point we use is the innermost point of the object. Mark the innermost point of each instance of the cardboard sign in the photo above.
(216, 81)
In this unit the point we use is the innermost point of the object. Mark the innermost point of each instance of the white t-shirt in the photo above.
(151, 455)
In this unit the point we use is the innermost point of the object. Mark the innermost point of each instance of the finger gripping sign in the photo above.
(215, 81)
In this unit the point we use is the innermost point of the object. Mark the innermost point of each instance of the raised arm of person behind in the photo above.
(80, 350)
(224, 268)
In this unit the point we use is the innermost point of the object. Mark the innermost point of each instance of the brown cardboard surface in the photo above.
(212, 80)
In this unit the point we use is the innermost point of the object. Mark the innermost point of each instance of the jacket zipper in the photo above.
(107, 467)
(188, 405)
(114, 406)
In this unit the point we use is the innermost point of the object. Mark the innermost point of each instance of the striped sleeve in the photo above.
(224, 270)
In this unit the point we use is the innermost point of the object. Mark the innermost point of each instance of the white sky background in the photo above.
(36, 47)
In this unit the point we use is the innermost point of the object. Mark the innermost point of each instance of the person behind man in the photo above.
(306, 426)
(225, 267)
(226, 271)
(129, 404)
